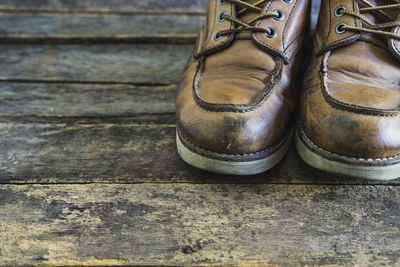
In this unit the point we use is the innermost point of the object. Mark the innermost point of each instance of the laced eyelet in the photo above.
(221, 2)
(280, 16)
(288, 1)
(273, 32)
(339, 28)
(217, 36)
(221, 16)
(339, 11)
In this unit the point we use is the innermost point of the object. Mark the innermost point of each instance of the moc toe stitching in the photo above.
(270, 83)
(342, 118)
(337, 104)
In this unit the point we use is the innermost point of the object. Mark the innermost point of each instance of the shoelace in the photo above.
(248, 25)
(370, 27)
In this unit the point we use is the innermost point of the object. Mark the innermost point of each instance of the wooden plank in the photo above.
(85, 100)
(132, 151)
(110, 63)
(184, 6)
(119, 6)
(175, 224)
(77, 27)
(98, 28)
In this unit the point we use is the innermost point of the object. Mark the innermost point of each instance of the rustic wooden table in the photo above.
(89, 171)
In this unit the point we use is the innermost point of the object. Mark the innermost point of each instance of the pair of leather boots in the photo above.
(237, 103)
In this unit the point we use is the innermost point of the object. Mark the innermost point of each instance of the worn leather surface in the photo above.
(206, 42)
(238, 95)
(351, 100)
(325, 37)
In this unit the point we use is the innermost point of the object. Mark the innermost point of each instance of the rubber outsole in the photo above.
(232, 167)
(383, 173)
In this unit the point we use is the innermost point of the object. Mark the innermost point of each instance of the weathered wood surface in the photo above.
(85, 100)
(106, 6)
(110, 63)
(34, 25)
(43, 118)
(82, 151)
(96, 123)
(151, 224)
(86, 28)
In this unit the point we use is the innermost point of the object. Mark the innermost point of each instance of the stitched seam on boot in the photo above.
(215, 107)
(303, 134)
(236, 155)
(339, 105)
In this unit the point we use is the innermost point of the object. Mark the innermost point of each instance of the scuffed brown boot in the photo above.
(350, 109)
(237, 96)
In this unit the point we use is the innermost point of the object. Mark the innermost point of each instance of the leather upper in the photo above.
(325, 37)
(289, 29)
(238, 93)
(351, 102)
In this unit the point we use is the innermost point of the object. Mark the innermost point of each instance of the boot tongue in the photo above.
(375, 17)
(248, 14)
(393, 44)
(392, 12)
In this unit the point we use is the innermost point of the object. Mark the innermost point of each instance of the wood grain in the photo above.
(135, 151)
(109, 63)
(153, 224)
(107, 6)
(68, 27)
(165, 6)
(85, 100)
(98, 28)
(89, 173)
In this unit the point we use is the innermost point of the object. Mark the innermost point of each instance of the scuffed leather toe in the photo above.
(348, 131)
(234, 131)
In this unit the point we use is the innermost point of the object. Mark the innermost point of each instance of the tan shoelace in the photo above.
(244, 7)
(371, 27)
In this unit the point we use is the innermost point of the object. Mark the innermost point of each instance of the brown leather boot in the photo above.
(350, 109)
(237, 96)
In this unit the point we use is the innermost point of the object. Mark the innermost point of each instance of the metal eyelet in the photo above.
(339, 28)
(280, 16)
(288, 1)
(217, 36)
(273, 32)
(221, 2)
(221, 16)
(339, 11)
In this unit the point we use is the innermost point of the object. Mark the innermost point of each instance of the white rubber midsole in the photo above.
(388, 172)
(232, 167)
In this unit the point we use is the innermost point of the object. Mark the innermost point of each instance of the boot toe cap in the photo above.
(348, 132)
